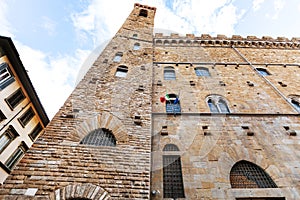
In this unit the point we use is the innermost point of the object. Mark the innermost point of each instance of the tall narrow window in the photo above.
(172, 174)
(15, 157)
(245, 174)
(217, 104)
(172, 104)
(136, 46)
(35, 132)
(100, 137)
(202, 71)
(15, 99)
(118, 57)
(143, 13)
(121, 71)
(263, 71)
(8, 136)
(169, 73)
(6, 76)
(26, 117)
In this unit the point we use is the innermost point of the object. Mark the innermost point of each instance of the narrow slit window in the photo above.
(26, 117)
(121, 71)
(15, 99)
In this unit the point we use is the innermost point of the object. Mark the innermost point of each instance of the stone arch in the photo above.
(81, 191)
(103, 120)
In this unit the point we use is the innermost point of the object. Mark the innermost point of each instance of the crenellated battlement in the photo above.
(145, 6)
(175, 39)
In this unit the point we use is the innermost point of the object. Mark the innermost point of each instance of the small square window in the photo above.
(121, 71)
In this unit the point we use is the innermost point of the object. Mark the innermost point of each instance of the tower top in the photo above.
(145, 6)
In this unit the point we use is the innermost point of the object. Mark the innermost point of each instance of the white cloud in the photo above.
(6, 29)
(52, 77)
(256, 4)
(278, 6)
(49, 25)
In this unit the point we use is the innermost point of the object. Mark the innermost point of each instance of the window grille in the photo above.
(15, 99)
(26, 117)
(172, 177)
(263, 71)
(100, 137)
(169, 73)
(6, 76)
(248, 175)
(170, 147)
(202, 71)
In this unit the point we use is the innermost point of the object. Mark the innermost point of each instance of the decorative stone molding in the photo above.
(88, 191)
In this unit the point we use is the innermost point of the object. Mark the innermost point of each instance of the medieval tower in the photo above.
(173, 117)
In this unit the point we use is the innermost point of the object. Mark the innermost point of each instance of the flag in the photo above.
(167, 97)
(162, 99)
(176, 100)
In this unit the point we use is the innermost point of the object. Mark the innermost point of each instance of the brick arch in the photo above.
(103, 120)
(83, 191)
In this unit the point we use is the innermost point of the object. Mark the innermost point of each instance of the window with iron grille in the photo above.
(172, 104)
(15, 157)
(100, 137)
(7, 137)
(202, 71)
(35, 132)
(169, 73)
(15, 99)
(6, 76)
(172, 177)
(170, 147)
(245, 174)
(26, 117)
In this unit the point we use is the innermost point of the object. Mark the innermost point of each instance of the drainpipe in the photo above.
(265, 79)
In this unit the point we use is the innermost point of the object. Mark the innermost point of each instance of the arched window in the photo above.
(118, 57)
(136, 46)
(143, 13)
(202, 71)
(172, 104)
(99, 137)
(245, 174)
(169, 73)
(295, 101)
(263, 71)
(170, 147)
(172, 174)
(217, 104)
(121, 71)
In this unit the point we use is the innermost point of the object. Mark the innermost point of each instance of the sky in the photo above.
(55, 38)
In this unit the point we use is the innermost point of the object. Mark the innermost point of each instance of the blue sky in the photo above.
(55, 37)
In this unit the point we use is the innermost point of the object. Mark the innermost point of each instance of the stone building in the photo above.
(173, 117)
(22, 116)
